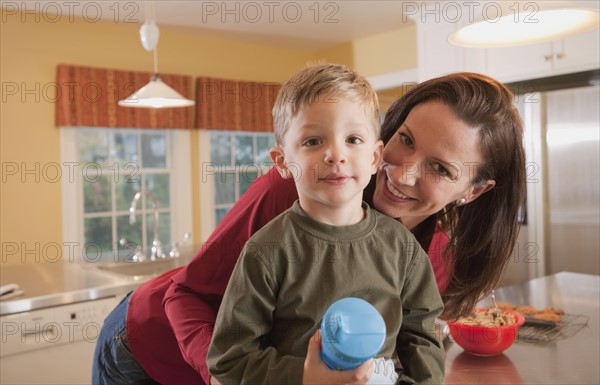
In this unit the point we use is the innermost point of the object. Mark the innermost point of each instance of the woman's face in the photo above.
(429, 162)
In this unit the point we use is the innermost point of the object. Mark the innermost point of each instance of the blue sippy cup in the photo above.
(352, 332)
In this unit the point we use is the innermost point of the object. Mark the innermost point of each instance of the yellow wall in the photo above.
(30, 51)
(379, 54)
(340, 53)
(386, 52)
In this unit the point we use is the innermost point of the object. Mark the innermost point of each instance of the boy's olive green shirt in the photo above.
(294, 268)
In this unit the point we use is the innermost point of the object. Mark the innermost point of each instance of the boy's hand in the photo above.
(316, 372)
(213, 381)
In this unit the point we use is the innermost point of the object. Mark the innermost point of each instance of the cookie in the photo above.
(526, 310)
(547, 317)
(505, 305)
(553, 310)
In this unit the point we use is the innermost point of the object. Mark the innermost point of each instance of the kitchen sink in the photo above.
(148, 268)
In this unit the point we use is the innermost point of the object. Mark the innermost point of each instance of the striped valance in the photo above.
(88, 96)
(234, 105)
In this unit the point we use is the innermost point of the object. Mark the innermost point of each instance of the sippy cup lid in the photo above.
(352, 331)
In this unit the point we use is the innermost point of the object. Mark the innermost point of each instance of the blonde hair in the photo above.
(328, 81)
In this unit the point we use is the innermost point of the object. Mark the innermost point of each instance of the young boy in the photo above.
(328, 246)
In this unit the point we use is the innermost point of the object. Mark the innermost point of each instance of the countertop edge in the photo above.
(15, 306)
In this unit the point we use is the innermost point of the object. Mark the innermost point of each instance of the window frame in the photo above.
(180, 191)
(208, 205)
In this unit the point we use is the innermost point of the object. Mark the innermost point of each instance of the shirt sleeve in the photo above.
(240, 351)
(193, 299)
(420, 351)
(438, 245)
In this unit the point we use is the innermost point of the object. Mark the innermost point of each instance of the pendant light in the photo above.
(155, 94)
(507, 24)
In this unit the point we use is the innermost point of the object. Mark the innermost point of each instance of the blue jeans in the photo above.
(113, 361)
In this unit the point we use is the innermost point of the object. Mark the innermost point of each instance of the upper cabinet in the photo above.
(436, 56)
(559, 57)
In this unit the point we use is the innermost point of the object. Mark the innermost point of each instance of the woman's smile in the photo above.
(395, 192)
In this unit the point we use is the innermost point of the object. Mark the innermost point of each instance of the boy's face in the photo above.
(331, 151)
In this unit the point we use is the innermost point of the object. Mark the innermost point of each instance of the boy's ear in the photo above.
(377, 156)
(278, 158)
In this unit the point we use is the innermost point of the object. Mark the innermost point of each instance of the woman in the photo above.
(453, 172)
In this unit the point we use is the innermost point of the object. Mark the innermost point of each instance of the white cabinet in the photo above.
(573, 54)
(578, 53)
(519, 63)
(436, 56)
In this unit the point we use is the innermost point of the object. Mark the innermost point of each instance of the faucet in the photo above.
(156, 251)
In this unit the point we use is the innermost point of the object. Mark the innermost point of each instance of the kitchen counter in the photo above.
(63, 283)
(570, 359)
(54, 284)
(49, 332)
(53, 326)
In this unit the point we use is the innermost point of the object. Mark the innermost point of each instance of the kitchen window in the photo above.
(111, 166)
(230, 161)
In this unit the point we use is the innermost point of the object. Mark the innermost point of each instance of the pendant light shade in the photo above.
(526, 26)
(155, 94)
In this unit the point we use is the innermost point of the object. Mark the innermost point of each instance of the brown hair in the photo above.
(328, 81)
(483, 232)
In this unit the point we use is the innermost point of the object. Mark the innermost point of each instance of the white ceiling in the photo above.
(300, 24)
(305, 24)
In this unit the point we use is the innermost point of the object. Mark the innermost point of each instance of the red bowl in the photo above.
(486, 340)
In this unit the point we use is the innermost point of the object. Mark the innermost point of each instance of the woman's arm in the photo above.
(193, 300)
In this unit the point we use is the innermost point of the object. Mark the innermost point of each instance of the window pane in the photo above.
(93, 146)
(243, 149)
(131, 232)
(220, 149)
(128, 159)
(96, 194)
(125, 190)
(158, 185)
(154, 151)
(164, 231)
(246, 178)
(263, 145)
(246, 149)
(98, 238)
(220, 213)
(124, 149)
(225, 187)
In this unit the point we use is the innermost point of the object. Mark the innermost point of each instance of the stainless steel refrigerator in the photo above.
(562, 127)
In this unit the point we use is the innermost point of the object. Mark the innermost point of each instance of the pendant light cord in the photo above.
(155, 62)
(150, 9)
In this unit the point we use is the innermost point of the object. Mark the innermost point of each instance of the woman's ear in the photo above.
(479, 189)
(278, 158)
(377, 157)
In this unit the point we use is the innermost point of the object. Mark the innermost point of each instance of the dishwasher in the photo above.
(49, 335)
(53, 345)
